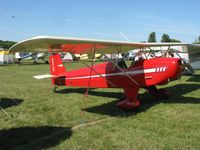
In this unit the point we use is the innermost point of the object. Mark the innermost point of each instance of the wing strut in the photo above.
(5, 111)
(135, 82)
(98, 73)
(85, 96)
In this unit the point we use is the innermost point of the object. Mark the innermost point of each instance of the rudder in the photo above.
(56, 66)
(57, 69)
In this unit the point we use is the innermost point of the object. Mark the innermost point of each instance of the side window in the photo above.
(121, 63)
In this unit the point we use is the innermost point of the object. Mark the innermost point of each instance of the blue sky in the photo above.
(102, 19)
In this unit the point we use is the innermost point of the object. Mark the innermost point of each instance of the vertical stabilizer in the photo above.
(56, 66)
(57, 69)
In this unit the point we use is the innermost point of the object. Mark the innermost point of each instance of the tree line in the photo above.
(165, 38)
(6, 44)
(197, 41)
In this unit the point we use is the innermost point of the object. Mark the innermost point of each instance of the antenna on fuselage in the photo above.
(124, 36)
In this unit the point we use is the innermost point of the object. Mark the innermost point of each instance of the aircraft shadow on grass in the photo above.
(33, 137)
(8, 102)
(91, 92)
(147, 101)
(194, 78)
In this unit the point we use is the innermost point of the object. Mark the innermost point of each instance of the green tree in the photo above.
(175, 41)
(6, 44)
(165, 38)
(152, 37)
(197, 40)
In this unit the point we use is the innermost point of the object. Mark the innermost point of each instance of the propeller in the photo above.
(186, 64)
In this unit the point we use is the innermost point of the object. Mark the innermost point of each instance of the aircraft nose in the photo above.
(177, 69)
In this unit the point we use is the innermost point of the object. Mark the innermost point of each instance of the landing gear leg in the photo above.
(46, 61)
(35, 62)
(54, 88)
(131, 102)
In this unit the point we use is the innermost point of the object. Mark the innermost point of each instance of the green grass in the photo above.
(41, 119)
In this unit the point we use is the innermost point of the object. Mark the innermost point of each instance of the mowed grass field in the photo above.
(42, 119)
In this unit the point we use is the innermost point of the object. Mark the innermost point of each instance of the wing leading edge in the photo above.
(60, 44)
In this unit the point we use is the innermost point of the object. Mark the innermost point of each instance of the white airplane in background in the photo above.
(194, 55)
(32, 56)
(190, 54)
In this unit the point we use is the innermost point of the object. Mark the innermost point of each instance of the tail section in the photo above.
(56, 65)
(57, 69)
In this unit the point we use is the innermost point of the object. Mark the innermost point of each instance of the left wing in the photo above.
(57, 44)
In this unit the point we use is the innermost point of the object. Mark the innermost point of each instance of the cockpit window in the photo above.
(121, 63)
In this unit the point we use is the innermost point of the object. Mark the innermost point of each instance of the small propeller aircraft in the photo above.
(143, 73)
(32, 56)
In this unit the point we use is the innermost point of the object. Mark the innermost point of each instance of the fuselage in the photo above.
(143, 73)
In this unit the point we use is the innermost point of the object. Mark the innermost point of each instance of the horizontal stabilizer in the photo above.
(44, 76)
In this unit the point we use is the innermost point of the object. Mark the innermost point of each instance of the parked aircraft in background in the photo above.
(174, 51)
(32, 56)
(194, 55)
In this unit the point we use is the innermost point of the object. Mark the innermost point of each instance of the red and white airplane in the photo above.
(143, 73)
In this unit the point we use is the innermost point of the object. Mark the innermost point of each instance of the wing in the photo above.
(77, 45)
